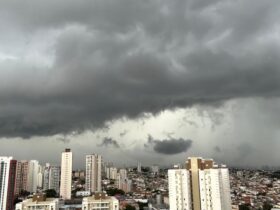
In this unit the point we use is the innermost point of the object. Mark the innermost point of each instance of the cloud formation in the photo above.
(107, 142)
(80, 64)
(169, 146)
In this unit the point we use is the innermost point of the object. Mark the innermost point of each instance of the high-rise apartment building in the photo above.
(51, 178)
(26, 176)
(139, 167)
(202, 185)
(46, 177)
(32, 179)
(93, 173)
(66, 174)
(40, 177)
(123, 173)
(7, 182)
(21, 177)
(54, 177)
(113, 173)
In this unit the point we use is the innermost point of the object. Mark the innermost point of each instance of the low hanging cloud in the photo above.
(169, 146)
(217, 149)
(81, 64)
(109, 142)
(123, 133)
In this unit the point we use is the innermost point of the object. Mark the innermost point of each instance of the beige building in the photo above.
(66, 175)
(100, 201)
(26, 176)
(21, 176)
(93, 173)
(39, 202)
(201, 185)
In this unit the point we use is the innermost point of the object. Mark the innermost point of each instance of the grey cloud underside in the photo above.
(123, 58)
(107, 142)
(169, 146)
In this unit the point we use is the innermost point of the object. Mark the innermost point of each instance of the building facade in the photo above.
(179, 189)
(93, 173)
(100, 201)
(51, 178)
(32, 179)
(7, 182)
(202, 185)
(66, 174)
(39, 202)
(21, 177)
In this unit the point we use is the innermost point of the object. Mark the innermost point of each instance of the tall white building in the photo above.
(46, 177)
(139, 167)
(66, 174)
(202, 185)
(123, 173)
(179, 189)
(40, 177)
(7, 182)
(54, 177)
(113, 173)
(32, 179)
(93, 173)
(51, 178)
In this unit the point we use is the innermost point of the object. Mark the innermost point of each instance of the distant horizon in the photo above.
(141, 80)
(161, 166)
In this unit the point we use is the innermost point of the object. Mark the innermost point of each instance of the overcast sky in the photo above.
(153, 81)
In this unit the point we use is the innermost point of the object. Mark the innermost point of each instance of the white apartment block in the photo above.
(32, 179)
(179, 189)
(201, 186)
(4, 180)
(66, 174)
(113, 173)
(93, 173)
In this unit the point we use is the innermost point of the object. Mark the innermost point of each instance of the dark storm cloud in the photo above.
(169, 146)
(123, 58)
(107, 142)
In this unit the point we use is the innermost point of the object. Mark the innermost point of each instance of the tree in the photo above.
(267, 206)
(51, 193)
(129, 207)
(244, 207)
(24, 193)
(115, 191)
(17, 200)
(142, 205)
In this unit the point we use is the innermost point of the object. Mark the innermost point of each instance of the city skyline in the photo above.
(149, 81)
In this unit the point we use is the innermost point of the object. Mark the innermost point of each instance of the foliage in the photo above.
(51, 193)
(244, 207)
(115, 191)
(17, 200)
(24, 193)
(129, 207)
(267, 206)
(142, 205)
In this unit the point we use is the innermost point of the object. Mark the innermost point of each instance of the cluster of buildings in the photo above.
(96, 202)
(119, 177)
(24, 177)
(254, 188)
(200, 184)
